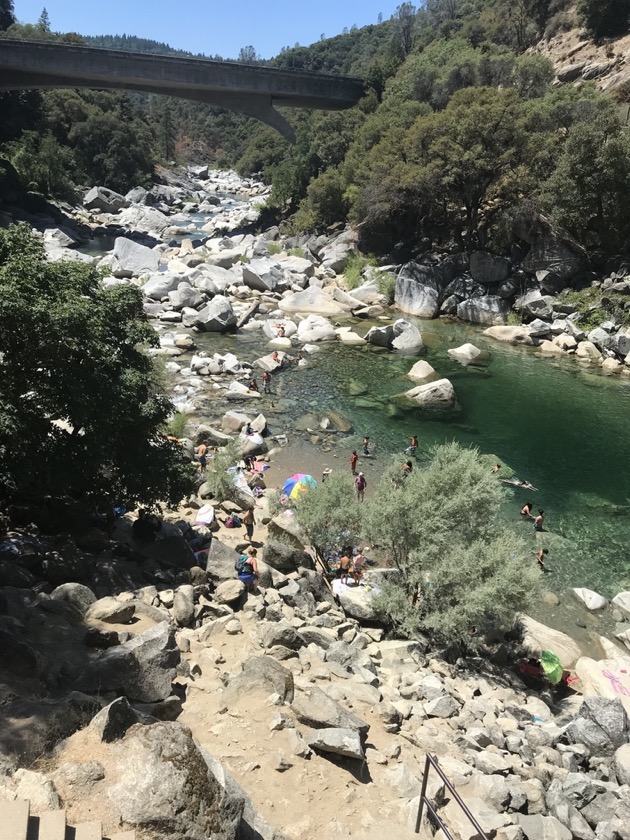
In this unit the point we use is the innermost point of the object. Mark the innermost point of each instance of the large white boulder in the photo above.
(105, 200)
(160, 285)
(421, 370)
(622, 602)
(315, 328)
(144, 219)
(605, 678)
(401, 335)
(490, 310)
(538, 637)
(438, 393)
(591, 600)
(587, 350)
(132, 259)
(263, 275)
(313, 300)
(216, 316)
(512, 335)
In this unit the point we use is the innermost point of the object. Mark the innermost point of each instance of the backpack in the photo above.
(243, 566)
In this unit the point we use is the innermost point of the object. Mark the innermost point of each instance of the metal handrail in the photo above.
(431, 761)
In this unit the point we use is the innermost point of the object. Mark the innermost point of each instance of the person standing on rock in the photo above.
(357, 568)
(249, 522)
(248, 569)
(345, 561)
(353, 461)
(366, 445)
(360, 484)
(201, 456)
(266, 380)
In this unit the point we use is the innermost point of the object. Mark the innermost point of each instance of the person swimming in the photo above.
(526, 510)
(539, 520)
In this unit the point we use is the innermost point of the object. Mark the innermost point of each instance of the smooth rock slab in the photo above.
(511, 335)
(132, 259)
(537, 827)
(622, 602)
(346, 742)
(111, 610)
(591, 600)
(315, 708)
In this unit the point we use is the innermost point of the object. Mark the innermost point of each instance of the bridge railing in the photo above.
(430, 763)
(265, 68)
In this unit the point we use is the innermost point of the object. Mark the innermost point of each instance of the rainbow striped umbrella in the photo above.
(296, 485)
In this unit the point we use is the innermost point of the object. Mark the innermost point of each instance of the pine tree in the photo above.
(7, 14)
(44, 21)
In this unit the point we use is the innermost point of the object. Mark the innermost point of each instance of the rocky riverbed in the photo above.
(181, 706)
(287, 712)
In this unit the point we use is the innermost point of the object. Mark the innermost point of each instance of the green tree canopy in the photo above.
(604, 18)
(80, 404)
(7, 14)
(458, 566)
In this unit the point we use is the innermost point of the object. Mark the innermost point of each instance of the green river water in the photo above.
(562, 427)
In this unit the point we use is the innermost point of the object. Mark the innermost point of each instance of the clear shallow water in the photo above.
(562, 428)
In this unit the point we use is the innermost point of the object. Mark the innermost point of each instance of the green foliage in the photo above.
(330, 513)
(597, 305)
(604, 18)
(325, 201)
(274, 248)
(458, 566)
(297, 252)
(80, 412)
(353, 272)
(587, 191)
(43, 164)
(7, 14)
(176, 425)
(217, 475)
(387, 286)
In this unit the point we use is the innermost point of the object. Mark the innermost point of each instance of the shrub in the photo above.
(176, 425)
(353, 272)
(297, 252)
(274, 248)
(458, 566)
(217, 475)
(330, 513)
(387, 286)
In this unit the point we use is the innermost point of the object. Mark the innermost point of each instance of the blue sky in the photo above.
(210, 26)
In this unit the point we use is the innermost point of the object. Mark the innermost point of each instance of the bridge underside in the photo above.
(251, 89)
(256, 105)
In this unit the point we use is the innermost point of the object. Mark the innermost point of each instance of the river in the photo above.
(560, 426)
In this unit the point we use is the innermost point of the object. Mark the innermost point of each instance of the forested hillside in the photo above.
(462, 131)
